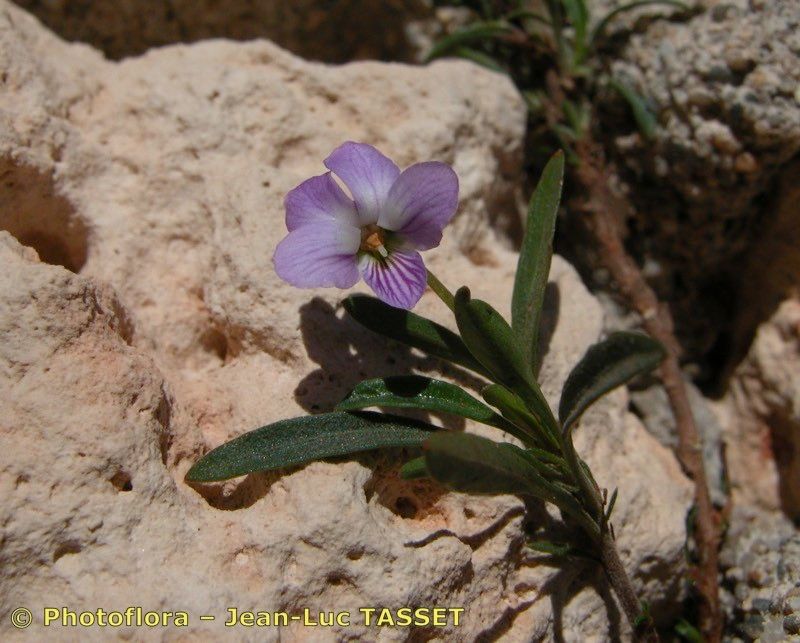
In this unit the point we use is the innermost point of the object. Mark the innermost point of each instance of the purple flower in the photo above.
(393, 214)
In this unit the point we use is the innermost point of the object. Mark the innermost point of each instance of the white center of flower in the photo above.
(373, 239)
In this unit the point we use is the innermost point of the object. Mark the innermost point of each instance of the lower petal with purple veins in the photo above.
(319, 255)
(399, 280)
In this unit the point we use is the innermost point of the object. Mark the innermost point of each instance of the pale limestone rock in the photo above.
(160, 181)
(762, 416)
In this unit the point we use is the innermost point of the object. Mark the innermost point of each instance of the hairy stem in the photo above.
(642, 624)
(441, 290)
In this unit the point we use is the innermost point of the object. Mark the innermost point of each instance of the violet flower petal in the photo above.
(367, 173)
(399, 280)
(420, 203)
(316, 199)
(317, 255)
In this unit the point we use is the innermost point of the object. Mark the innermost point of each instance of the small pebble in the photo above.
(791, 624)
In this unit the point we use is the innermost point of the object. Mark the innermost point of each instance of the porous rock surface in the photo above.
(152, 328)
(725, 87)
(760, 562)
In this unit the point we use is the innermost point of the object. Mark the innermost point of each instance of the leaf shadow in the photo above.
(548, 320)
(348, 353)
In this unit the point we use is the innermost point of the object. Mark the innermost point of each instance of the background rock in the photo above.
(334, 30)
(762, 414)
(159, 181)
(724, 86)
(761, 566)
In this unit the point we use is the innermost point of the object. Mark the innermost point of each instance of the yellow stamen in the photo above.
(372, 240)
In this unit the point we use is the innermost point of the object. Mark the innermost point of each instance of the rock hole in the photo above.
(336, 578)
(405, 507)
(32, 210)
(122, 481)
(69, 547)
(354, 554)
(214, 341)
(408, 499)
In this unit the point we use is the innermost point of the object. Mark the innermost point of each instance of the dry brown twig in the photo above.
(605, 214)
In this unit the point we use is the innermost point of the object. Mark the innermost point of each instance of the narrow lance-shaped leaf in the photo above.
(474, 33)
(599, 30)
(418, 392)
(605, 366)
(479, 57)
(514, 410)
(414, 469)
(473, 464)
(645, 120)
(579, 17)
(300, 440)
(533, 267)
(412, 330)
(491, 340)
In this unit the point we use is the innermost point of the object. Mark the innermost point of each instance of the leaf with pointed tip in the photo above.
(644, 118)
(480, 58)
(414, 469)
(599, 30)
(550, 548)
(477, 32)
(472, 464)
(533, 267)
(300, 440)
(578, 15)
(605, 366)
(611, 504)
(411, 329)
(513, 409)
(491, 340)
(418, 392)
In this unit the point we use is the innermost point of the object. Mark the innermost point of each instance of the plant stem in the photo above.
(605, 214)
(441, 290)
(618, 577)
(606, 211)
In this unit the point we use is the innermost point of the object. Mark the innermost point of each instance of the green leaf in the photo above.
(411, 329)
(645, 119)
(525, 14)
(687, 631)
(300, 440)
(579, 17)
(480, 58)
(472, 464)
(476, 32)
(611, 504)
(418, 392)
(599, 30)
(533, 266)
(513, 409)
(414, 469)
(605, 366)
(491, 340)
(552, 549)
